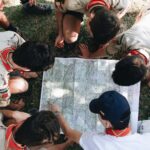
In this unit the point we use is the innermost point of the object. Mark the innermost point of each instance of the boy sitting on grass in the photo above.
(113, 111)
(31, 132)
(26, 57)
(102, 23)
(134, 67)
(134, 45)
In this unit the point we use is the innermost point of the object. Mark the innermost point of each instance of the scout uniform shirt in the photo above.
(83, 5)
(9, 41)
(136, 39)
(94, 141)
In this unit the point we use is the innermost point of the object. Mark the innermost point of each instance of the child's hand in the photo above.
(54, 108)
(84, 50)
(59, 42)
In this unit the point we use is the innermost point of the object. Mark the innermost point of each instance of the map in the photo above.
(73, 82)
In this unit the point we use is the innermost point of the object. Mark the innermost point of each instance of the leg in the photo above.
(18, 85)
(3, 20)
(71, 28)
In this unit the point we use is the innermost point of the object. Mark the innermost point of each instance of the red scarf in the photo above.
(11, 144)
(95, 3)
(136, 52)
(4, 56)
(118, 133)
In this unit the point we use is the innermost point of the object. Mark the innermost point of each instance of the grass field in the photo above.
(43, 28)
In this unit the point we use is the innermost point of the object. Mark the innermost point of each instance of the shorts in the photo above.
(78, 15)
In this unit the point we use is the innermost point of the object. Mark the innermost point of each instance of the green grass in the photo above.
(43, 28)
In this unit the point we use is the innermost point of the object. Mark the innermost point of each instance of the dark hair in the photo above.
(104, 25)
(129, 71)
(123, 123)
(33, 55)
(37, 128)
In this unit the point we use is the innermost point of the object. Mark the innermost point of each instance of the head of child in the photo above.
(40, 128)
(113, 110)
(103, 25)
(129, 70)
(33, 56)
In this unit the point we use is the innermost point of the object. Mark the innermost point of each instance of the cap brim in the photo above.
(94, 106)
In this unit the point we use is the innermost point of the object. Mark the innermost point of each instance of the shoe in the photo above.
(38, 9)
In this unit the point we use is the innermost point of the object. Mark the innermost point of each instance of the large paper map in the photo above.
(73, 83)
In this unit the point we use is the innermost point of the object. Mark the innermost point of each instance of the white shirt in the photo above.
(93, 141)
(137, 37)
(80, 5)
(7, 39)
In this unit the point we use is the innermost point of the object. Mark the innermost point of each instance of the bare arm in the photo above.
(17, 115)
(59, 19)
(59, 42)
(72, 134)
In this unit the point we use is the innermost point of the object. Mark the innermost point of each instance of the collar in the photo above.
(95, 3)
(142, 53)
(10, 142)
(118, 133)
(4, 56)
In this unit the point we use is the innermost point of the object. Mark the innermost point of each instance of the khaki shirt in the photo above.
(137, 37)
(80, 5)
(7, 39)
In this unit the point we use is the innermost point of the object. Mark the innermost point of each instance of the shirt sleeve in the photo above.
(120, 5)
(13, 39)
(4, 92)
(88, 141)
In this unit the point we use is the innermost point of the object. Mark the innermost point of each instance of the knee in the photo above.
(2, 15)
(18, 85)
(71, 37)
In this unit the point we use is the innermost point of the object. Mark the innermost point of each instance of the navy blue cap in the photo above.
(113, 107)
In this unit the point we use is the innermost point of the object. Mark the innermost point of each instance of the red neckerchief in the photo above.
(10, 142)
(136, 52)
(118, 133)
(94, 3)
(4, 56)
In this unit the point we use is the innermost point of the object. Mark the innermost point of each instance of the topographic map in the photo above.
(73, 82)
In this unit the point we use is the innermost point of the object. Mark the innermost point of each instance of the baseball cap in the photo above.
(114, 107)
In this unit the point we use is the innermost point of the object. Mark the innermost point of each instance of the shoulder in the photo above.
(10, 38)
(89, 140)
(90, 136)
(119, 4)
